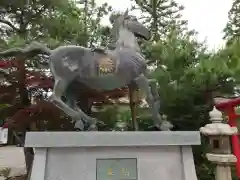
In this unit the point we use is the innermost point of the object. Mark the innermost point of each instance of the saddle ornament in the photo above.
(106, 65)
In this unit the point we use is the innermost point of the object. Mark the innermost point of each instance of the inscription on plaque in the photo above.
(117, 169)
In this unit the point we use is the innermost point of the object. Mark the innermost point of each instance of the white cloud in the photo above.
(208, 17)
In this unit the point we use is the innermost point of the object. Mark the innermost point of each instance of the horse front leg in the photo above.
(145, 86)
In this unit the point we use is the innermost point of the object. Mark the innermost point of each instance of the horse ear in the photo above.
(113, 17)
(126, 13)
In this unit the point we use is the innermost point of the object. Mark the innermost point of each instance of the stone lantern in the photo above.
(219, 139)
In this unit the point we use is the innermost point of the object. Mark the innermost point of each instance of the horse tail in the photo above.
(41, 48)
(31, 50)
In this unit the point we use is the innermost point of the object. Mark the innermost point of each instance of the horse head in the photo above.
(131, 24)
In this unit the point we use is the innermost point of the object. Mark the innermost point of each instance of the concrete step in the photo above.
(12, 157)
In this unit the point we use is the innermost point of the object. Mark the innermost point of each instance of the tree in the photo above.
(82, 20)
(189, 77)
(17, 19)
(232, 29)
(24, 21)
(160, 15)
(21, 16)
(22, 116)
(92, 17)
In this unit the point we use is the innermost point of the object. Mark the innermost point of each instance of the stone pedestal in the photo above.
(113, 155)
(223, 168)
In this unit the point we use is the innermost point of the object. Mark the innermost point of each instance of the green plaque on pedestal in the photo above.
(117, 169)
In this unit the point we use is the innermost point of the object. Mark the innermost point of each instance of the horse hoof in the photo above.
(92, 128)
(79, 125)
(166, 126)
(154, 128)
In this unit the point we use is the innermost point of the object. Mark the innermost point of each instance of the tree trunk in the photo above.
(25, 101)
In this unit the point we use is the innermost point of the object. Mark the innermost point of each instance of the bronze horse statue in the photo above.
(100, 69)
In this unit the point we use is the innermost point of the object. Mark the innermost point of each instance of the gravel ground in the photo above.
(12, 157)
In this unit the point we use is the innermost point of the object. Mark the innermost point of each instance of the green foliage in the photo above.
(188, 75)
(188, 78)
(109, 117)
(2, 106)
(5, 172)
(53, 22)
(204, 168)
(22, 15)
(231, 56)
(74, 25)
(232, 29)
(160, 15)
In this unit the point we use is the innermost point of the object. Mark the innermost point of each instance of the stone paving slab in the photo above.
(12, 157)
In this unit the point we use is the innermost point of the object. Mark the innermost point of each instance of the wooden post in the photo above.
(133, 98)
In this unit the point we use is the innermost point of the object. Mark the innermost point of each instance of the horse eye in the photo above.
(133, 18)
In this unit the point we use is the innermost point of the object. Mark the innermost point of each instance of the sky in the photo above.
(207, 17)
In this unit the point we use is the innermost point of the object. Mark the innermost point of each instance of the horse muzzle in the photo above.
(139, 30)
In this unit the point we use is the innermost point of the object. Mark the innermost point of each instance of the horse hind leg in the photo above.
(79, 124)
(84, 124)
(90, 122)
(58, 91)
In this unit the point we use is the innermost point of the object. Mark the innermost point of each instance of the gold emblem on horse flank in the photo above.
(106, 65)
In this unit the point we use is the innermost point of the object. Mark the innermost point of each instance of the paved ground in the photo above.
(12, 157)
